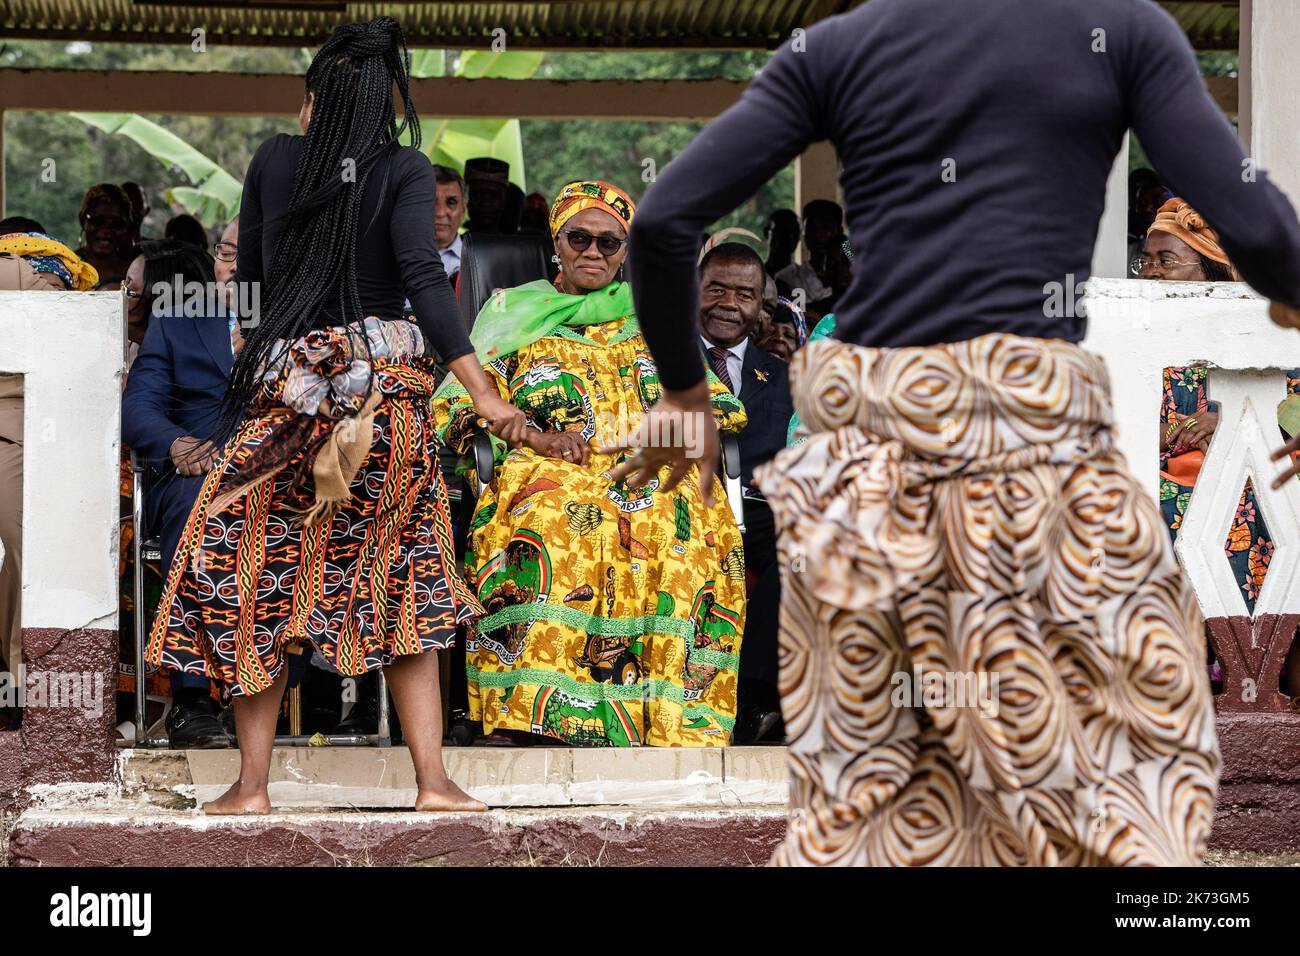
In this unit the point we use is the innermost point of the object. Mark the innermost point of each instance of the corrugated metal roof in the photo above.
(1210, 26)
(468, 23)
(556, 24)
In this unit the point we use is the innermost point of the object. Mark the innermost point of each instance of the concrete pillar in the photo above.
(1110, 255)
(1244, 37)
(1273, 90)
(816, 176)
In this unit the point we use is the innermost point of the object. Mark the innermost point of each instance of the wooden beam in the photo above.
(251, 94)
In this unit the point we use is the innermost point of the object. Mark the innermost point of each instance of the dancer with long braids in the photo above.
(325, 520)
(959, 512)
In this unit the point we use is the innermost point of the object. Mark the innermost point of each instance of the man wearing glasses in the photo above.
(177, 381)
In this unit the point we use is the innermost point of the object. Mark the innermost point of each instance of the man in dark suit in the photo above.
(170, 414)
(731, 301)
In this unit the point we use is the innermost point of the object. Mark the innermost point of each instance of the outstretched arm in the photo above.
(777, 117)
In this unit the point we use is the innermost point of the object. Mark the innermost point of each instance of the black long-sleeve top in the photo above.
(975, 139)
(396, 256)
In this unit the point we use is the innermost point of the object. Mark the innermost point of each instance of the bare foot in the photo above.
(237, 802)
(446, 797)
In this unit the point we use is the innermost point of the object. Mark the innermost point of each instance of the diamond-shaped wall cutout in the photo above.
(1249, 547)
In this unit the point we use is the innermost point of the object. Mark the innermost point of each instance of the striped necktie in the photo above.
(718, 359)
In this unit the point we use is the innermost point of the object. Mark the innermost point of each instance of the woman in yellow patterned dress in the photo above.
(614, 615)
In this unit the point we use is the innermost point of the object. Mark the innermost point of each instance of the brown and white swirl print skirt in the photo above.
(988, 653)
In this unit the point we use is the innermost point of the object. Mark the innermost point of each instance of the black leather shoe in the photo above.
(363, 718)
(769, 728)
(462, 731)
(195, 725)
(757, 725)
(228, 723)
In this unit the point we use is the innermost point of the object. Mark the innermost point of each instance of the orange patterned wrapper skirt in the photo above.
(375, 581)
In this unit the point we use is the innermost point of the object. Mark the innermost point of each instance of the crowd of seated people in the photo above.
(583, 581)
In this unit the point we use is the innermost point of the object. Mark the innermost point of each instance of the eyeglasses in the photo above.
(580, 241)
(1143, 263)
(132, 294)
(226, 251)
(106, 222)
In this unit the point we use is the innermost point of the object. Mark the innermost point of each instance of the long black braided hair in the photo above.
(352, 124)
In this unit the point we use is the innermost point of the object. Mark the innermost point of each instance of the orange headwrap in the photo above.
(588, 194)
(1181, 220)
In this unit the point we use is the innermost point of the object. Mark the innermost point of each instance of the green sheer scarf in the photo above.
(514, 318)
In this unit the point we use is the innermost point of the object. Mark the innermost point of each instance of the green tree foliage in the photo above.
(41, 145)
(82, 156)
(626, 153)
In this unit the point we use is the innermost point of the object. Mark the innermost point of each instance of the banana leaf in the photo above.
(214, 195)
(452, 142)
(1288, 415)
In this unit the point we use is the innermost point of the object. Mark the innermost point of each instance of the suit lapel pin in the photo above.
(760, 375)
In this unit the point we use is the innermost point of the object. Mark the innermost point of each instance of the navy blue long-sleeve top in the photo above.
(396, 255)
(975, 139)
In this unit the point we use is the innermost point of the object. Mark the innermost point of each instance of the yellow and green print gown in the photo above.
(614, 615)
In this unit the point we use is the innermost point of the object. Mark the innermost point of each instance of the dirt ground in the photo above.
(6, 824)
(1213, 858)
(1231, 858)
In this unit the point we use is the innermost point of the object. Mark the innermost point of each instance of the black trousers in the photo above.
(758, 651)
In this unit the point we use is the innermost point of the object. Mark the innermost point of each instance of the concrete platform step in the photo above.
(384, 778)
(103, 833)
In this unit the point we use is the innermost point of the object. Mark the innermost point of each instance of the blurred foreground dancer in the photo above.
(325, 518)
(988, 653)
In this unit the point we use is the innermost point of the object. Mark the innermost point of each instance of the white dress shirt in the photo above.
(735, 361)
(451, 257)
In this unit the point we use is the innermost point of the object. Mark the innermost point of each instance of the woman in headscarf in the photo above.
(1180, 246)
(614, 614)
(52, 264)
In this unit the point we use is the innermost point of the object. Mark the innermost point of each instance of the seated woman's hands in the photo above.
(1189, 432)
(567, 446)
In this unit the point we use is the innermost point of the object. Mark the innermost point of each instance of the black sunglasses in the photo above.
(580, 241)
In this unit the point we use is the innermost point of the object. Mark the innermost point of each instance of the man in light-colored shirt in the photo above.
(448, 216)
(451, 258)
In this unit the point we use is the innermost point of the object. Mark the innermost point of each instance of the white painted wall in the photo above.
(1110, 254)
(69, 347)
(1275, 91)
(1142, 327)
